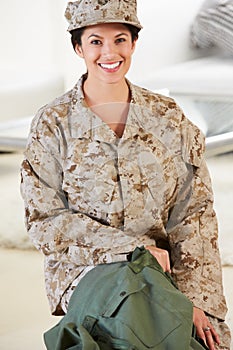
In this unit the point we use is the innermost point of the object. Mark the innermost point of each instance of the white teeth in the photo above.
(110, 66)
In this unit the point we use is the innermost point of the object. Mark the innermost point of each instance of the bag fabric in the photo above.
(126, 305)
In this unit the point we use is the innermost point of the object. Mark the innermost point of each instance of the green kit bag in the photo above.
(129, 305)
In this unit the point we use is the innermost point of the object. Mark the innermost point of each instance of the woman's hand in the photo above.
(162, 257)
(204, 328)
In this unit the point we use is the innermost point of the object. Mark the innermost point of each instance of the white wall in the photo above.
(28, 65)
(33, 35)
(25, 32)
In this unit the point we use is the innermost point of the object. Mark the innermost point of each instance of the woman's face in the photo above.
(107, 50)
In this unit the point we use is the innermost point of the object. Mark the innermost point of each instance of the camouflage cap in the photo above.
(84, 13)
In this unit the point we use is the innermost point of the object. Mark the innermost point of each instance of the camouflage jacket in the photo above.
(91, 197)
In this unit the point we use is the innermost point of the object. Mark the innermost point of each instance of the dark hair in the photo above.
(76, 34)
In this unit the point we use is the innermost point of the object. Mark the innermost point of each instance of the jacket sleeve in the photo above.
(193, 231)
(53, 226)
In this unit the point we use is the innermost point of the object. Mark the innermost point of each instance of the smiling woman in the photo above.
(128, 170)
(107, 49)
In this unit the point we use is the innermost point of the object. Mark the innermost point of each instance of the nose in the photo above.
(109, 50)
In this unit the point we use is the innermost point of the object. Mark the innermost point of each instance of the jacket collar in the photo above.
(85, 124)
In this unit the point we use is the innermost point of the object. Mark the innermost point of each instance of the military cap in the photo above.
(84, 13)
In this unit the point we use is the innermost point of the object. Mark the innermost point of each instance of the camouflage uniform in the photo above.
(91, 197)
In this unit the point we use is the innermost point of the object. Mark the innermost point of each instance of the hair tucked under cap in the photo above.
(84, 13)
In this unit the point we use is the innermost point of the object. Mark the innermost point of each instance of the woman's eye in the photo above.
(96, 42)
(120, 40)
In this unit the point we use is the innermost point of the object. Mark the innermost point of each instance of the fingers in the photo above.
(204, 329)
(211, 337)
(215, 335)
(207, 336)
(162, 257)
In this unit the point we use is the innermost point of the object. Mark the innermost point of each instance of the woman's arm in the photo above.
(193, 236)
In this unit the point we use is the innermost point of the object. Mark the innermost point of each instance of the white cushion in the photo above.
(209, 76)
(213, 26)
(203, 88)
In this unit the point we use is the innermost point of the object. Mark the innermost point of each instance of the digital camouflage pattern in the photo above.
(91, 197)
(84, 13)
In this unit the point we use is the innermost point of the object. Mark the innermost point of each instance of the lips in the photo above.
(110, 67)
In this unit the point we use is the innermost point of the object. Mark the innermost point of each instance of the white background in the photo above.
(33, 36)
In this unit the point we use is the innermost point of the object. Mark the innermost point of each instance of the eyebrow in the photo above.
(100, 37)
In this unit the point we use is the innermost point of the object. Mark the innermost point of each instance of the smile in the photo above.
(110, 66)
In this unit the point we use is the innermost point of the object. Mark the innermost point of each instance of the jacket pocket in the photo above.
(133, 315)
(90, 177)
(88, 193)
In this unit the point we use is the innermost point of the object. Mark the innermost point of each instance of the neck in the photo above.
(101, 93)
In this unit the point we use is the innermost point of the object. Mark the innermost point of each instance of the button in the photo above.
(122, 294)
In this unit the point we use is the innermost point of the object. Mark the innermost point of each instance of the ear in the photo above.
(78, 50)
(134, 45)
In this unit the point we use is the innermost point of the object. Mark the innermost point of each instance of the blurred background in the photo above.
(37, 64)
(34, 37)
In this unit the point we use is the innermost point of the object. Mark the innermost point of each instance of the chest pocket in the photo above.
(90, 177)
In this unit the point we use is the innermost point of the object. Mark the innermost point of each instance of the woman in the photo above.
(110, 166)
